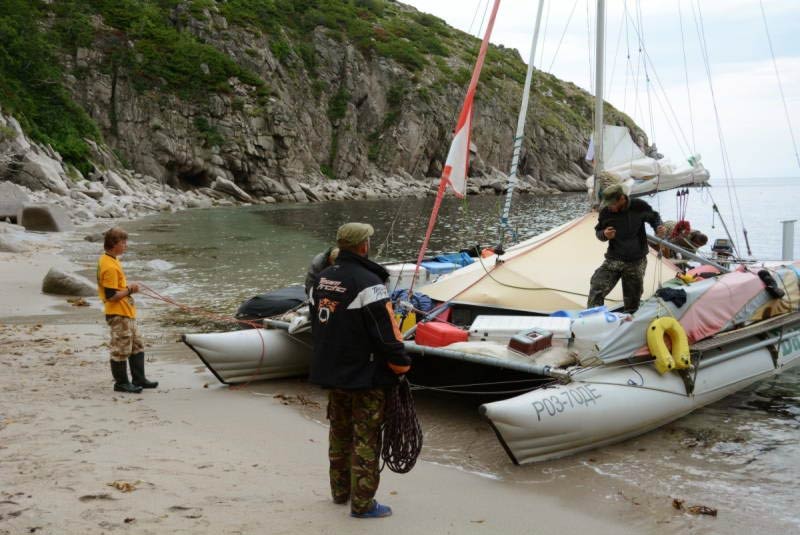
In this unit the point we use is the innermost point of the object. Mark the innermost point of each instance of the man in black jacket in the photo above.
(358, 353)
(621, 224)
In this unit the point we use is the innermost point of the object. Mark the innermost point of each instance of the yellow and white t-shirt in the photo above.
(110, 275)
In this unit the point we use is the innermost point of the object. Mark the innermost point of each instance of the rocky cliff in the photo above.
(278, 100)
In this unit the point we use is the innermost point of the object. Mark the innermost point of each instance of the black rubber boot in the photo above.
(771, 284)
(119, 369)
(137, 371)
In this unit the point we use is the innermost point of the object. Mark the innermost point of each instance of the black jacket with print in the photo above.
(356, 341)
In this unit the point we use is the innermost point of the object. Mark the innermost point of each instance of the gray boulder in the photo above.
(12, 199)
(63, 283)
(116, 183)
(94, 238)
(44, 218)
(14, 140)
(39, 172)
(269, 186)
(95, 190)
(198, 202)
(310, 193)
(9, 243)
(566, 181)
(226, 186)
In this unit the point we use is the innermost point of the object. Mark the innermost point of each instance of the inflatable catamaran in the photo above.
(600, 377)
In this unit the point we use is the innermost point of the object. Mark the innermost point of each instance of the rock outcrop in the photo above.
(12, 199)
(44, 218)
(310, 117)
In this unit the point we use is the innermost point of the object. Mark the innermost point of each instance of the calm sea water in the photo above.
(741, 455)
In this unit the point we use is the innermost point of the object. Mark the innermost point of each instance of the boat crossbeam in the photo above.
(747, 349)
(525, 367)
(686, 254)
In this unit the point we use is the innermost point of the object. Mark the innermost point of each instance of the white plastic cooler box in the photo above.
(401, 275)
(503, 328)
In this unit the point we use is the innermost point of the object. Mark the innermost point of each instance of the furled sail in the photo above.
(625, 163)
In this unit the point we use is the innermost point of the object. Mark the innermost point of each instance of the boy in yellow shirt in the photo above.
(116, 294)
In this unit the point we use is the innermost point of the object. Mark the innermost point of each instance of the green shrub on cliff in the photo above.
(368, 24)
(208, 132)
(31, 84)
(337, 105)
(164, 55)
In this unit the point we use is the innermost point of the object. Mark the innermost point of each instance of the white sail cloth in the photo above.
(546, 273)
(640, 174)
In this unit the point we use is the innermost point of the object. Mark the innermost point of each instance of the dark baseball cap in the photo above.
(353, 234)
(611, 194)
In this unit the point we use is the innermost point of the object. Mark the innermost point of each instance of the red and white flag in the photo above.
(457, 163)
(454, 173)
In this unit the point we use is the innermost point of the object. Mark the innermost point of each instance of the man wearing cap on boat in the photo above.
(681, 234)
(621, 223)
(358, 354)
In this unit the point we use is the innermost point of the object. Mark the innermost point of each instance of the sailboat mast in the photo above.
(523, 112)
(598, 93)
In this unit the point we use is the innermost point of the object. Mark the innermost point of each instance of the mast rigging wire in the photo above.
(474, 16)
(780, 85)
(483, 19)
(660, 85)
(544, 34)
(561, 40)
(686, 76)
(616, 55)
(732, 193)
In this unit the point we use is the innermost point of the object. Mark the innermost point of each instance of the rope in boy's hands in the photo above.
(149, 292)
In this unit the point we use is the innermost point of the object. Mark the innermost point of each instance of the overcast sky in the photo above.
(751, 113)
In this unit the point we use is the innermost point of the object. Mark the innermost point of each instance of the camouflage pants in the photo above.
(355, 443)
(606, 277)
(125, 338)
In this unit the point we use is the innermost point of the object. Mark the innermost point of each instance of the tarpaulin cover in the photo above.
(630, 337)
(765, 306)
(272, 303)
(726, 297)
(462, 259)
(546, 273)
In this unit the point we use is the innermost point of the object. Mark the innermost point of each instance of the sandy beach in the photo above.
(195, 456)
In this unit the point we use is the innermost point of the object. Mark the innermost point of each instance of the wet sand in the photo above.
(193, 455)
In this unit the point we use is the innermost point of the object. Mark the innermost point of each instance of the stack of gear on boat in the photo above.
(621, 223)
(358, 354)
(126, 344)
(710, 306)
